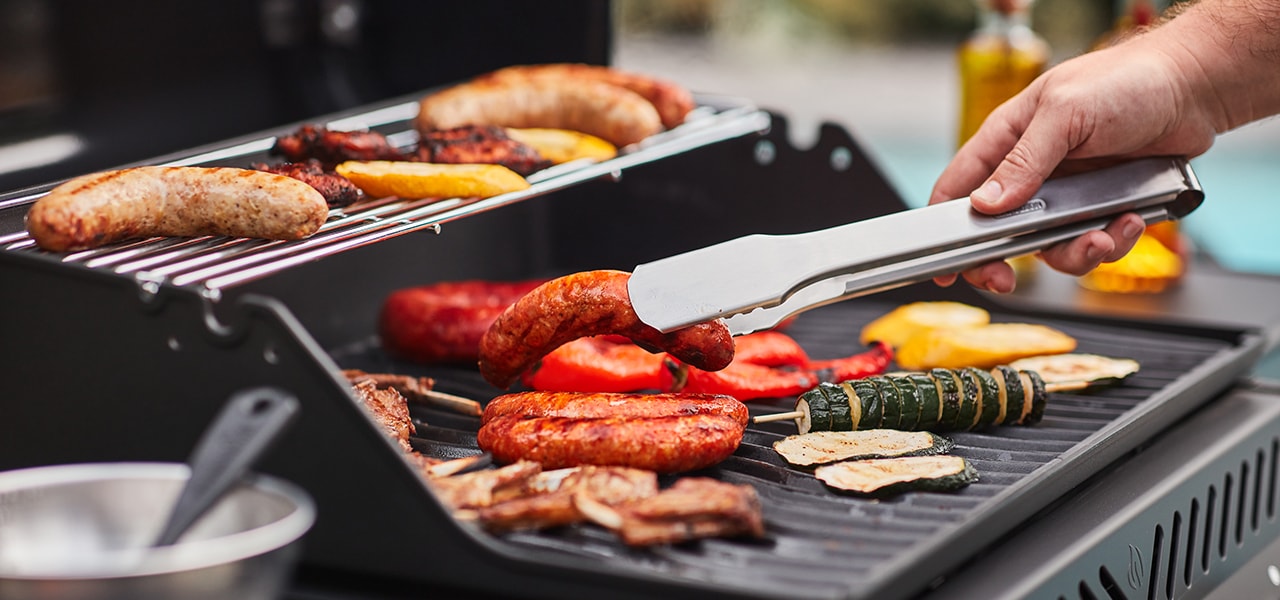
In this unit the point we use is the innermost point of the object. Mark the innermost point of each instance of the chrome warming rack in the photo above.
(214, 263)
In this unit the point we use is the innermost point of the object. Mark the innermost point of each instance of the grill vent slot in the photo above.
(1224, 529)
(1086, 593)
(1208, 528)
(1172, 567)
(1109, 585)
(1191, 542)
(1157, 545)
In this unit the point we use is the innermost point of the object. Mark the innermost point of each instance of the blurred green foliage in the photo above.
(1070, 26)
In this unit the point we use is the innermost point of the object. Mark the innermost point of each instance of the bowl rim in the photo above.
(182, 556)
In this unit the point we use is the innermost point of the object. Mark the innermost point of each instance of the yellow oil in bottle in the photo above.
(1000, 58)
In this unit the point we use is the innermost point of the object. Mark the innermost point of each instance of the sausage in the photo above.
(578, 405)
(584, 304)
(669, 444)
(672, 101)
(101, 208)
(616, 114)
(443, 322)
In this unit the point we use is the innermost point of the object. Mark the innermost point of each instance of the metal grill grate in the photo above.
(820, 544)
(217, 263)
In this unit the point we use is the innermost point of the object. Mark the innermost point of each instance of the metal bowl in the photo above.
(84, 531)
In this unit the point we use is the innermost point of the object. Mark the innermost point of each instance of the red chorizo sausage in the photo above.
(443, 322)
(575, 405)
(663, 444)
(585, 304)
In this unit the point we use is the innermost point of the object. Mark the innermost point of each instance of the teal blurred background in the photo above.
(886, 71)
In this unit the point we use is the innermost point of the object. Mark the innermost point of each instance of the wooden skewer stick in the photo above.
(1067, 386)
(454, 403)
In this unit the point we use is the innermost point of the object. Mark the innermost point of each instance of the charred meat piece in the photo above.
(479, 489)
(336, 189)
(547, 499)
(418, 390)
(479, 144)
(333, 147)
(693, 508)
(389, 409)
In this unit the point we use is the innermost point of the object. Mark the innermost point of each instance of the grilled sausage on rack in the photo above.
(586, 304)
(101, 208)
(607, 111)
(667, 433)
(672, 101)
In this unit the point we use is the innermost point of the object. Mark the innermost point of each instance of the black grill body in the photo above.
(106, 369)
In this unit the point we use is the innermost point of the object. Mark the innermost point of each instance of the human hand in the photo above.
(1145, 97)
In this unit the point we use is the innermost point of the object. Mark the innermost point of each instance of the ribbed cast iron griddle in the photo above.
(821, 544)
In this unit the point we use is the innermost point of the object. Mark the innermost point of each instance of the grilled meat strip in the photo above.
(585, 304)
(479, 489)
(693, 508)
(389, 409)
(484, 144)
(547, 499)
(333, 147)
(336, 189)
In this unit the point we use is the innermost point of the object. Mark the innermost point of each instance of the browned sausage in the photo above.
(443, 322)
(663, 444)
(101, 208)
(607, 111)
(672, 101)
(602, 405)
(585, 304)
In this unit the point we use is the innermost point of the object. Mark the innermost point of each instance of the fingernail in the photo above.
(1094, 252)
(988, 194)
(1132, 230)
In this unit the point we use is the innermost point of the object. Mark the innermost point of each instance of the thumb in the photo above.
(1024, 169)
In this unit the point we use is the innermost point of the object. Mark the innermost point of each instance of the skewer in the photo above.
(1066, 386)
(418, 389)
(451, 402)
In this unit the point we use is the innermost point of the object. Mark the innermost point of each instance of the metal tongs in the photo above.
(759, 280)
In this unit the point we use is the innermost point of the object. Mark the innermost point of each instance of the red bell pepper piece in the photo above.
(744, 381)
(595, 364)
(864, 364)
(770, 349)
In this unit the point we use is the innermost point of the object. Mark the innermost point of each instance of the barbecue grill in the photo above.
(1160, 487)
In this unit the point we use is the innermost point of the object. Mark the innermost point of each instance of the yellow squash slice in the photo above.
(983, 346)
(382, 178)
(896, 327)
(562, 145)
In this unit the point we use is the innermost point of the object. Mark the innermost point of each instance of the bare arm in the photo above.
(1166, 91)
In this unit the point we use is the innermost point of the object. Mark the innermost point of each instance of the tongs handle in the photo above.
(763, 271)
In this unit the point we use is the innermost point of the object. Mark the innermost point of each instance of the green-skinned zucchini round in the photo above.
(949, 395)
(872, 404)
(888, 476)
(824, 447)
(891, 403)
(908, 406)
(990, 394)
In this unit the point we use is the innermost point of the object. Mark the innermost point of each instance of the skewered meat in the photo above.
(586, 304)
(667, 433)
(417, 389)
(695, 507)
(485, 144)
(613, 113)
(332, 147)
(443, 322)
(547, 499)
(336, 189)
(672, 101)
(389, 409)
(101, 208)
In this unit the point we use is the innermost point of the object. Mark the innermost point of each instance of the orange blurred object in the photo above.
(1151, 267)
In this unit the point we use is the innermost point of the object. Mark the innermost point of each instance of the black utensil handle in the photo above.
(247, 425)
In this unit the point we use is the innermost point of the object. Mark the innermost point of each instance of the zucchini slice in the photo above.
(1011, 391)
(949, 395)
(891, 401)
(969, 399)
(823, 447)
(1071, 368)
(1028, 395)
(872, 404)
(1039, 398)
(819, 410)
(989, 394)
(910, 394)
(910, 407)
(931, 409)
(841, 416)
(889, 476)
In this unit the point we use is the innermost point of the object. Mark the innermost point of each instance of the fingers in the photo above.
(1024, 169)
(996, 277)
(1083, 254)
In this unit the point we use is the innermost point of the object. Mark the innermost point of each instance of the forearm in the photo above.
(1229, 51)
